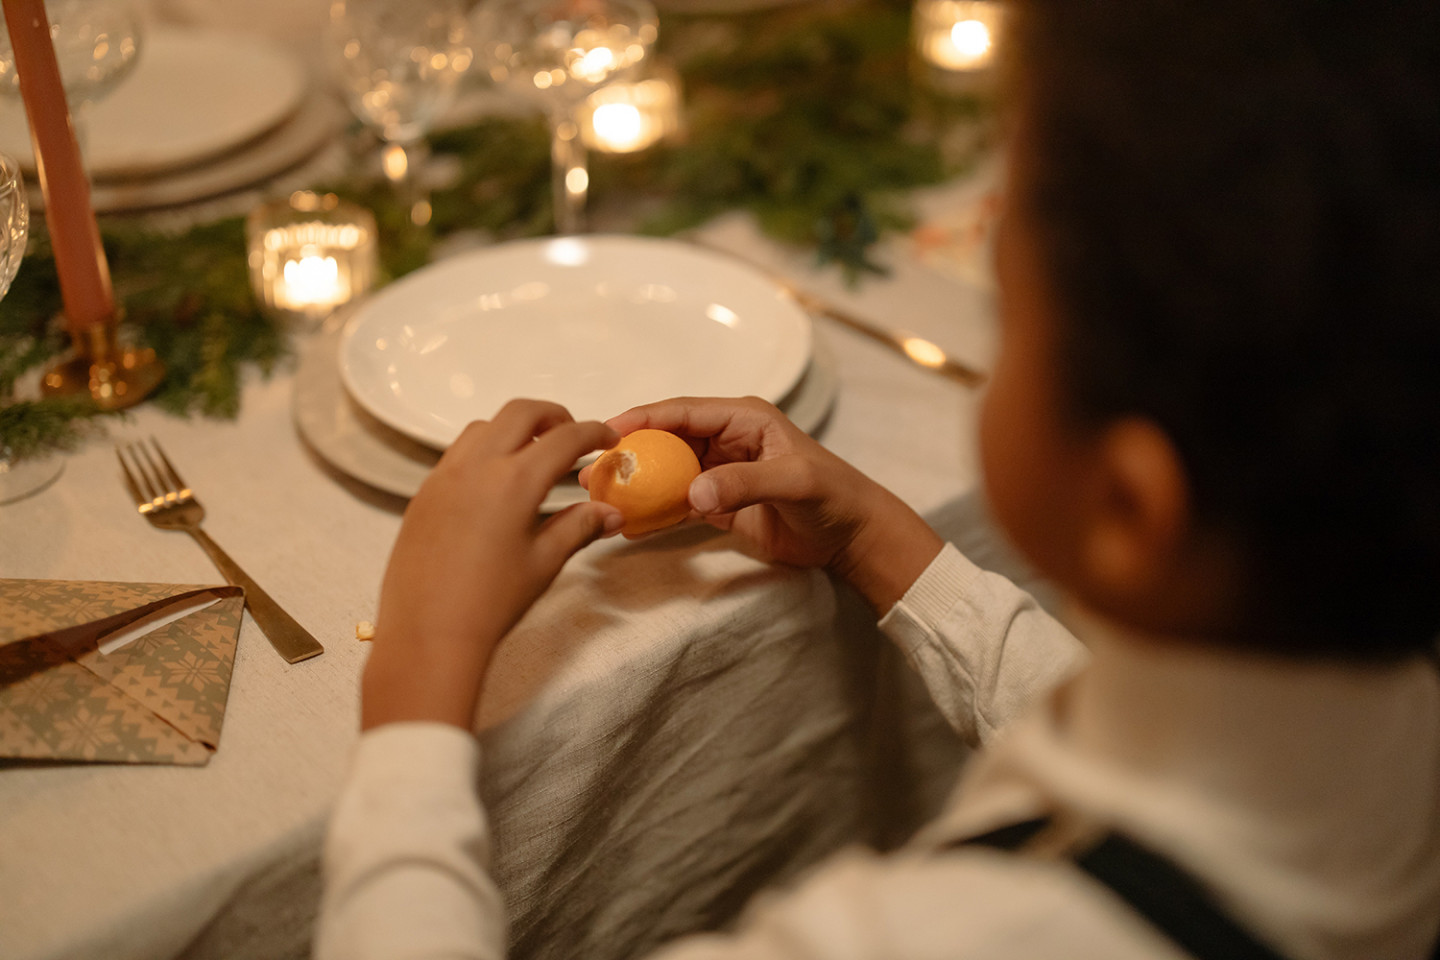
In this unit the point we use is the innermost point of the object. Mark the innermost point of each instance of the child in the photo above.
(1214, 423)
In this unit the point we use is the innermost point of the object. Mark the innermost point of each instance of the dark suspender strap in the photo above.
(1172, 900)
(1168, 897)
(1010, 837)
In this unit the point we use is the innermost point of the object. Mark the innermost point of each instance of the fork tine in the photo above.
(147, 481)
(152, 472)
(140, 499)
(178, 485)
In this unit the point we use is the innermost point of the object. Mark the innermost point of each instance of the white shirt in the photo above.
(1305, 795)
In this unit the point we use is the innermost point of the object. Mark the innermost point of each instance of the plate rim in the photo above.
(294, 142)
(322, 396)
(803, 330)
(170, 37)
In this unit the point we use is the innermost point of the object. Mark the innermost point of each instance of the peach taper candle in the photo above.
(113, 376)
(74, 233)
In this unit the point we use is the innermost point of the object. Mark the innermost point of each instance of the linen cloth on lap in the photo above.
(730, 764)
(735, 764)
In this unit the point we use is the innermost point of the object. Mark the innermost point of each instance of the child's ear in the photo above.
(1137, 514)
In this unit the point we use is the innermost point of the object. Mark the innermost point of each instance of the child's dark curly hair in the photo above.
(1237, 204)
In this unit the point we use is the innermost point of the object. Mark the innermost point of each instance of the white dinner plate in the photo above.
(358, 445)
(292, 144)
(194, 94)
(598, 324)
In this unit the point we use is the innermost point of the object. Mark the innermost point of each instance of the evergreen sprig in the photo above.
(29, 427)
(812, 122)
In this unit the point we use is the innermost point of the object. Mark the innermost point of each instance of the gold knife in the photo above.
(923, 352)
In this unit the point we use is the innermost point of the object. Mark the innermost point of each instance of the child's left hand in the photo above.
(471, 558)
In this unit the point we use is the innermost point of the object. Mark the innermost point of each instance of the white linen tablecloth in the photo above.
(673, 726)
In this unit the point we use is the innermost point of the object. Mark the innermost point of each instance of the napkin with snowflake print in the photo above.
(112, 672)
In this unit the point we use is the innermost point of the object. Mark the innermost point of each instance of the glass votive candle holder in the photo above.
(956, 40)
(310, 254)
(630, 116)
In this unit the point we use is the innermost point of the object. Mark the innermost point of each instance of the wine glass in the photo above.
(556, 53)
(97, 46)
(399, 64)
(19, 476)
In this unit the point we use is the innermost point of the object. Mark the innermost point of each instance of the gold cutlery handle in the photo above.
(290, 640)
(916, 349)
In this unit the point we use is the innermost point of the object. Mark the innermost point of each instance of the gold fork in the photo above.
(168, 503)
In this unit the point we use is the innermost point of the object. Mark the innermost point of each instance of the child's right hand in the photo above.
(793, 500)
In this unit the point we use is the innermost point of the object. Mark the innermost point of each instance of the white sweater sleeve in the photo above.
(407, 856)
(985, 649)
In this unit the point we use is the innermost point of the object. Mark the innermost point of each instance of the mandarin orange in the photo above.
(647, 477)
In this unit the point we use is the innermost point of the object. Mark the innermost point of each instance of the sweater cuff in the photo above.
(436, 754)
(933, 594)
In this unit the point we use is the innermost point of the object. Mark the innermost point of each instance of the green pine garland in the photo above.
(29, 427)
(809, 121)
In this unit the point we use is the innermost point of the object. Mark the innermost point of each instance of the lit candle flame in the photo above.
(958, 35)
(619, 125)
(312, 281)
(627, 117)
(311, 265)
(971, 37)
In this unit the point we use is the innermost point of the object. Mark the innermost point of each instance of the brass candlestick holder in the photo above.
(114, 376)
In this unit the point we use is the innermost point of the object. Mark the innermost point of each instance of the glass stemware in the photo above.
(399, 64)
(97, 45)
(19, 476)
(556, 53)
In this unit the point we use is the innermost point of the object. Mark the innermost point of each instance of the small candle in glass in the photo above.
(629, 117)
(958, 37)
(311, 254)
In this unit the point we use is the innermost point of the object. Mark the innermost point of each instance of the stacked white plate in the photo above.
(598, 324)
(205, 112)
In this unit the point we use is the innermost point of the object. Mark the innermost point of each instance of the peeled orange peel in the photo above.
(647, 477)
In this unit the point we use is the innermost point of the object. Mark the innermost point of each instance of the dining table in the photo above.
(674, 727)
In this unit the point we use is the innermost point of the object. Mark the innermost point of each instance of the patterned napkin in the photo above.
(68, 692)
